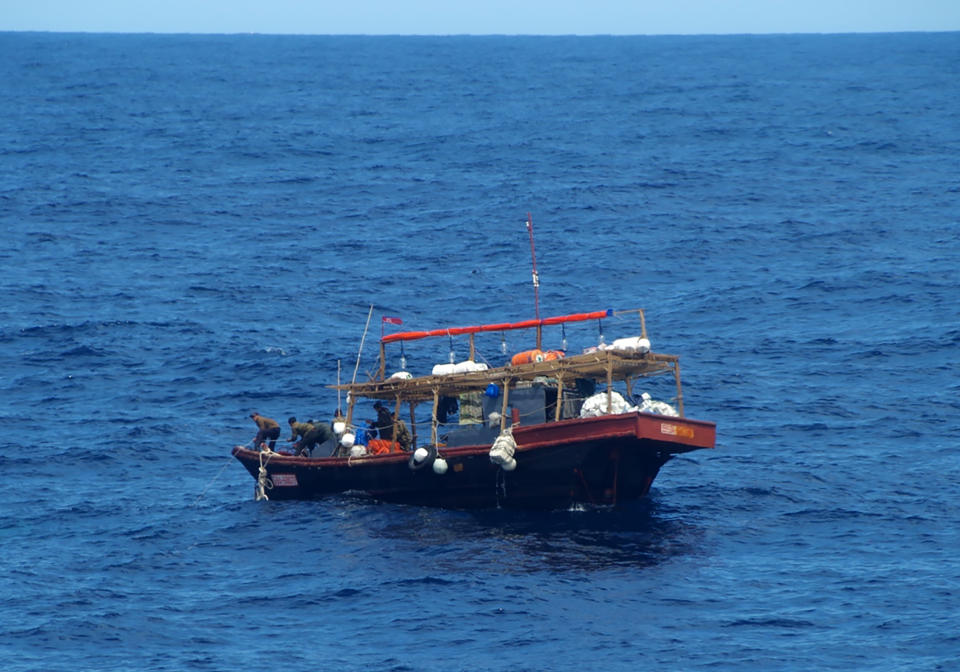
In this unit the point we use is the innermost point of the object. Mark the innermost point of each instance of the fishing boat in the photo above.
(544, 430)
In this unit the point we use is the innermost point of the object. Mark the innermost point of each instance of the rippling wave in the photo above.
(196, 227)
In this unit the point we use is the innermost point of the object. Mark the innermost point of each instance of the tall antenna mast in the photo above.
(536, 282)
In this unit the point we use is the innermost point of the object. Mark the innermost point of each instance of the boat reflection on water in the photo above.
(642, 534)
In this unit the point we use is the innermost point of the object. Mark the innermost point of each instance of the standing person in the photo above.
(269, 430)
(392, 432)
(384, 421)
(404, 440)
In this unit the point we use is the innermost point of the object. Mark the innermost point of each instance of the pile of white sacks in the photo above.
(629, 344)
(467, 366)
(596, 405)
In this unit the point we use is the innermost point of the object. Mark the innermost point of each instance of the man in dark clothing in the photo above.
(311, 435)
(298, 431)
(384, 421)
(389, 431)
(269, 430)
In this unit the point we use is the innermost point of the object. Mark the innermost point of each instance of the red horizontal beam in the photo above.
(506, 326)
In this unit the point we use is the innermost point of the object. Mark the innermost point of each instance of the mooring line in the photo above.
(213, 480)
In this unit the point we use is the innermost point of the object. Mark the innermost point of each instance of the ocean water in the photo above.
(195, 227)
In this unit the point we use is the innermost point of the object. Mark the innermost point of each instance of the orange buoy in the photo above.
(527, 357)
(535, 355)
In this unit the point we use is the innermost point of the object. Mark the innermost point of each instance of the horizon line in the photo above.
(453, 34)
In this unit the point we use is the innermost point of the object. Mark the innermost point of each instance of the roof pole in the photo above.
(536, 283)
(362, 339)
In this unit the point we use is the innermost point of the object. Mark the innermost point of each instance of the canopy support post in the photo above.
(556, 415)
(505, 405)
(413, 425)
(609, 384)
(433, 423)
(676, 376)
(396, 416)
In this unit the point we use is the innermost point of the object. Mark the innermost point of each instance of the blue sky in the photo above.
(512, 17)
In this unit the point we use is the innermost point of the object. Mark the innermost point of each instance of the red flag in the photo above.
(392, 320)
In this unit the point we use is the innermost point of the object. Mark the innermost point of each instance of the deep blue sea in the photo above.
(195, 227)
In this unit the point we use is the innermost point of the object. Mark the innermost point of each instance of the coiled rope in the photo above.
(263, 483)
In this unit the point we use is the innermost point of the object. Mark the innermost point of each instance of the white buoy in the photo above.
(440, 466)
(339, 428)
(358, 451)
(420, 454)
(347, 440)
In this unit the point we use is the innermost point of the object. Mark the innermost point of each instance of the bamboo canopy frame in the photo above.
(599, 365)
(606, 365)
